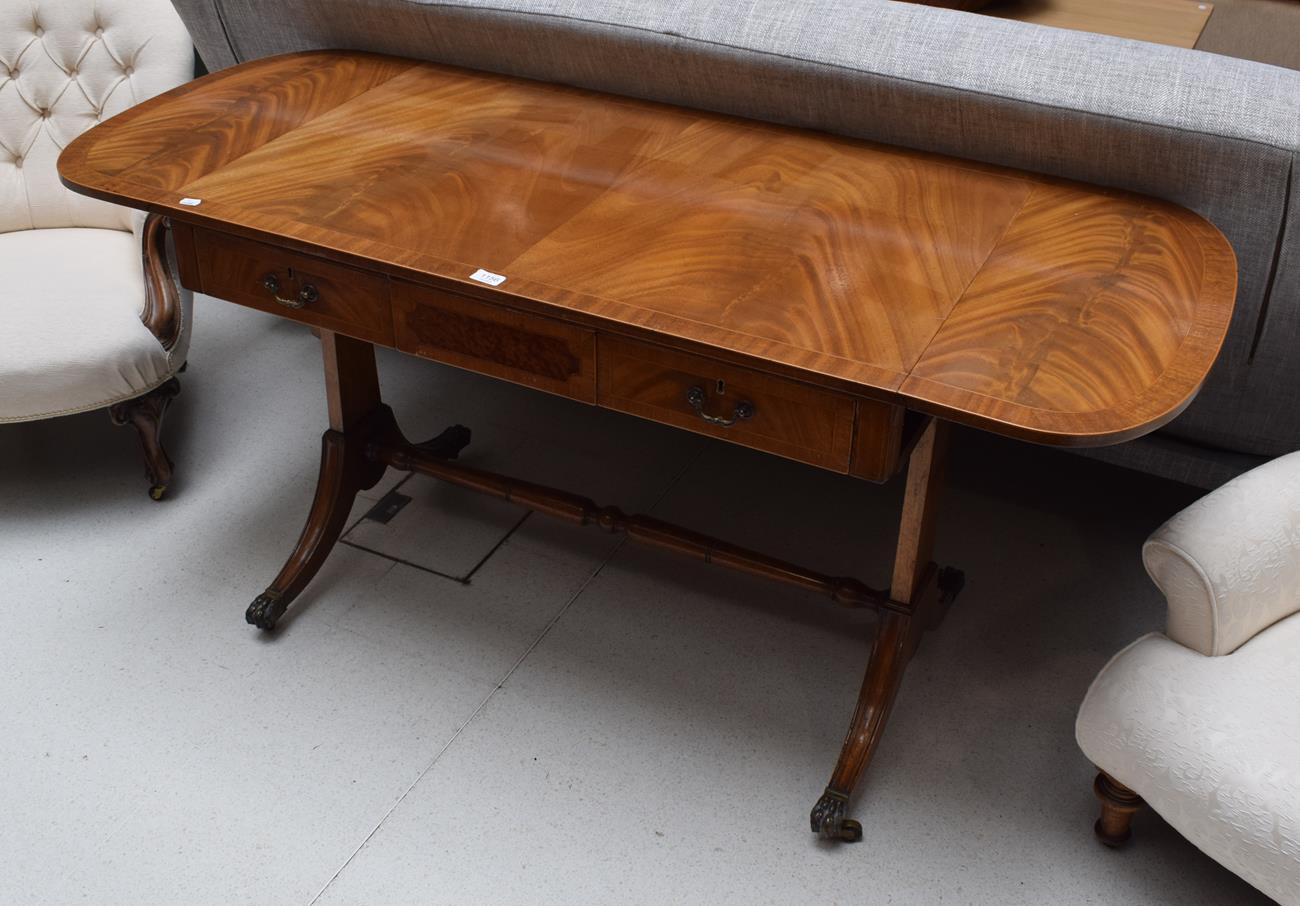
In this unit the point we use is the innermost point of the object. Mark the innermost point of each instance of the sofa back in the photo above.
(64, 66)
(1215, 134)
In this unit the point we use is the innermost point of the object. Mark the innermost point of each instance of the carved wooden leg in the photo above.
(344, 471)
(920, 594)
(1118, 805)
(146, 413)
(359, 422)
(357, 416)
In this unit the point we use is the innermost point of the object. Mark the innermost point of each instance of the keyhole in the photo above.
(722, 386)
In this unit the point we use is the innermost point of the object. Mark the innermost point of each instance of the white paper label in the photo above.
(487, 277)
(191, 202)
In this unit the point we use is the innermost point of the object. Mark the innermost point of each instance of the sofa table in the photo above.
(828, 300)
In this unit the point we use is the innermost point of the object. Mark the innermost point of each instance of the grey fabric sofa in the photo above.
(1218, 135)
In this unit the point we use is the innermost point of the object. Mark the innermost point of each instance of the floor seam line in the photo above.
(459, 730)
(605, 561)
(496, 547)
(398, 561)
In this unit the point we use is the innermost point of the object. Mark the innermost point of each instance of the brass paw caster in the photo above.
(828, 820)
(266, 610)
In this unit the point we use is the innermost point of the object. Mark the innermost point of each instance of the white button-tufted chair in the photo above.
(1204, 722)
(90, 316)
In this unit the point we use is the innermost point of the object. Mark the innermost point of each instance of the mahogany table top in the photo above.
(1029, 306)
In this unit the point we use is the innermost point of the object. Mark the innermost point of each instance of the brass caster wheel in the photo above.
(158, 491)
(850, 831)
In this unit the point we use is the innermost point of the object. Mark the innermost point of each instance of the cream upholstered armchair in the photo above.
(90, 316)
(1204, 721)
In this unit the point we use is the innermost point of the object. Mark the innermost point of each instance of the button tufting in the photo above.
(18, 162)
(129, 70)
(40, 32)
(99, 32)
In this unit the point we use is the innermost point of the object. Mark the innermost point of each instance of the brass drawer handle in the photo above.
(744, 409)
(306, 296)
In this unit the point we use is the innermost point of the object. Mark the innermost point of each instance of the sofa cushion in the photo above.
(71, 338)
(1212, 744)
(953, 4)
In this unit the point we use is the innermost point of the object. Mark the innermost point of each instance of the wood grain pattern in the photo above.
(537, 352)
(1096, 337)
(351, 301)
(1024, 305)
(1118, 806)
(877, 440)
(912, 557)
(790, 419)
(1175, 22)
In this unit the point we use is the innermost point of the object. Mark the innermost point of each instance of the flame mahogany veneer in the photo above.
(821, 298)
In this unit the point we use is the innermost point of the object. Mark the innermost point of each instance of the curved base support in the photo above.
(897, 636)
(1118, 806)
(448, 444)
(145, 414)
(344, 471)
(347, 468)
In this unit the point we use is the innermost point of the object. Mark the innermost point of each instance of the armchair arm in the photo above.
(1229, 564)
(162, 309)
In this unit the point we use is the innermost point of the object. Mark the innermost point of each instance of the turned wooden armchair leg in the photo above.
(1118, 806)
(920, 594)
(145, 414)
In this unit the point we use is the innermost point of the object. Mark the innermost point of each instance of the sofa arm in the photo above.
(1229, 564)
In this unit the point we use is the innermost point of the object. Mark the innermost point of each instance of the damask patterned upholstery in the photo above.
(70, 336)
(1204, 723)
(1228, 564)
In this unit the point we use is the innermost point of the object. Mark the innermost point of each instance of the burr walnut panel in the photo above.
(1022, 304)
(537, 352)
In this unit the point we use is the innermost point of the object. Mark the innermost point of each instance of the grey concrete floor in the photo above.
(523, 712)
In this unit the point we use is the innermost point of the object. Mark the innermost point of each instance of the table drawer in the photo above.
(528, 349)
(766, 412)
(332, 296)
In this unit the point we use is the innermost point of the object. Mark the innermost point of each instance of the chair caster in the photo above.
(266, 610)
(828, 820)
(158, 491)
